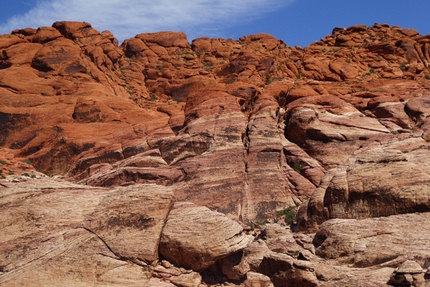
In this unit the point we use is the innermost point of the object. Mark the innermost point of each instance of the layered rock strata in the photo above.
(158, 109)
(249, 128)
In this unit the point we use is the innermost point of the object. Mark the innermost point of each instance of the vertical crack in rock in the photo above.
(246, 196)
(214, 134)
(246, 206)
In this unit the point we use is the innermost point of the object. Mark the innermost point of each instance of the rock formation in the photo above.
(59, 233)
(161, 162)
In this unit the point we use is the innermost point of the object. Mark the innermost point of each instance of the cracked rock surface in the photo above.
(160, 162)
(59, 233)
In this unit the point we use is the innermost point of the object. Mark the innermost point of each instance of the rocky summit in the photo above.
(220, 162)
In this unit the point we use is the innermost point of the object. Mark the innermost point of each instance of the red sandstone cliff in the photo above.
(247, 128)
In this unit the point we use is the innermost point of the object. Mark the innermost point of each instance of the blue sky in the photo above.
(296, 22)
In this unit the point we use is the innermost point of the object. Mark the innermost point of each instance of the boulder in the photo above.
(418, 109)
(60, 55)
(410, 273)
(177, 276)
(346, 276)
(343, 69)
(282, 268)
(188, 238)
(254, 279)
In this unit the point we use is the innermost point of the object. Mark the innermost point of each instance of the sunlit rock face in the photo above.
(234, 133)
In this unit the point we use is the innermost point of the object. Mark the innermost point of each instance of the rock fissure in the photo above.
(117, 256)
(248, 128)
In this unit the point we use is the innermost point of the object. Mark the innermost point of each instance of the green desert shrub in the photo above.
(289, 214)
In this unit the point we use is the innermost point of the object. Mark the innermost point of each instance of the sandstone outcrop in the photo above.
(383, 180)
(77, 235)
(59, 233)
(374, 241)
(187, 239)
(242, 130)
(213, 102)
(74, 234)
(344, 252)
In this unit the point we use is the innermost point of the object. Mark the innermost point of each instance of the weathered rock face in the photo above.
(253, 107)
(64, 233)
(338, 125)
(248, 128)
(343, 252)
(56, 232)
(382, 241)
(379, 181)
(187, 239)
(80, 235)
(409, 273)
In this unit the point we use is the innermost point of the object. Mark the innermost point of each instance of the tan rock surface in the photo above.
(384, 180)
(59, 233)
(254, 279)
(345, 241)
(178, 276)
(130, 220)
(327, 121)
(384, 241)
(357, 277)
(187, 238)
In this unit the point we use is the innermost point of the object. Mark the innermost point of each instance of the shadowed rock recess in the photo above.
(219, 162)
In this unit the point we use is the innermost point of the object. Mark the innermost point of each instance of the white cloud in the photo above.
(125, 19)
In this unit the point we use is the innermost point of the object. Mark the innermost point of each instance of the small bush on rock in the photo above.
(289, 214)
